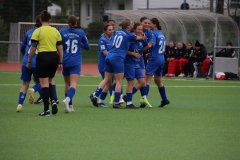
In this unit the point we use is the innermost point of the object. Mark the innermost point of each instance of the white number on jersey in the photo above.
(29, 43)
(162, 44)
(117, 41)
(72, 45)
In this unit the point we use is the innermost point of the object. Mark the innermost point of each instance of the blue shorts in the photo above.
(130, 72)
(155, 68)
(71, 70)
(114, 65)
(27, 74)
(142, 65)
(101, 69)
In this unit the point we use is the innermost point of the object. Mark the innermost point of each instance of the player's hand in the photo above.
(150, 44)
(137, 55)
(147, 55)
(28, 65)
(59, 70)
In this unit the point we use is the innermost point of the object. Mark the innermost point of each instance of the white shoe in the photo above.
(30, 95)
(66, 104)
(182, 75)
(71, 109)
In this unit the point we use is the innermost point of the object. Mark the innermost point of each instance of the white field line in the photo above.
(62, 85)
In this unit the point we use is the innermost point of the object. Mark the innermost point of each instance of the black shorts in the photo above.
(47, 64)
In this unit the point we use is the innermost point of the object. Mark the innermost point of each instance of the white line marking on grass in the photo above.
(62, 85)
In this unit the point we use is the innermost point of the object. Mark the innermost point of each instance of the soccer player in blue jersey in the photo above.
(156, 60)
(114, 62)
(133, 70)
(148, 33)
(27, 73)
(104, 45)
(73, 39)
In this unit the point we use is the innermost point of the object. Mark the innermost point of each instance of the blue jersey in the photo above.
(73, 40)
(121, 43)
(148, 34)
(136, 46)
(25, 47)
(104, 44)
(159, 45)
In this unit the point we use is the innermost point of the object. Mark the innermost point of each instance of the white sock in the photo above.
(144, 97)
(100, 101)
(128, 103)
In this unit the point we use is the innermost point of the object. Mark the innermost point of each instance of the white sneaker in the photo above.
(30, 95)
(71, 109)
(66, 104)
(182, 75)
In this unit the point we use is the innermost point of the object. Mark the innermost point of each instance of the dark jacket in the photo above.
(199, 55)
(230, 53)
(180, 53)
(189, 53)
(170, 52)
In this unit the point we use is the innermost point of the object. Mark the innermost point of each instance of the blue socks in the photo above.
(147, 89)
(134, 90)
(21, 98)
(98, 92)
(162, 93)
(129, 97)
(143, 91)
(117, 97)
(103, 95)
(37, 88)
(55, 92)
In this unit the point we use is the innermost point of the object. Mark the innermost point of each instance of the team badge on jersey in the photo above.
(102, 47)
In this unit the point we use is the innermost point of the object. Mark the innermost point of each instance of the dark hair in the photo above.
(45, 16)
(125, 23)
(111, 20)
(38, 21)
(106, 27)
(143, 18)
(197, 44)
(190, 43)
(229, 43)
(156, 21)
(136, 25)
(72, 22)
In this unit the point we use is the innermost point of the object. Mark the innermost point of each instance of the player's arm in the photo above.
(24, 44)
(32, 52)
(134, 54)
(85, 43)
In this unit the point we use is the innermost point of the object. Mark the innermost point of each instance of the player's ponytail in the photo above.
(72, 22)
(38, 21)
(156, 22)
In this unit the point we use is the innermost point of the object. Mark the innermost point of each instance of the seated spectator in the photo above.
(173, 63)
(185, 58)
(195, 59)
(169, 53)
(207, 65)
(226, 52)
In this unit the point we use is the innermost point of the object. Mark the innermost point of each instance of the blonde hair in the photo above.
(125, 23)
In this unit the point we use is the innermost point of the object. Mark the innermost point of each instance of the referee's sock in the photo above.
(45, 96)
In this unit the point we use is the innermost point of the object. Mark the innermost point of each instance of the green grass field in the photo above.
(202, 122)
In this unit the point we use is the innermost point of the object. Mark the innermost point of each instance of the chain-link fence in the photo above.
(15, 15)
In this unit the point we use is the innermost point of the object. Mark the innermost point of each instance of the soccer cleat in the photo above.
(131, 106)
(181, 75)
(30, 95)
(124, 98)
(207, 77)
(54, 107)
(56, 101)
(145, 102)
(164, 103)
(102, 105)
(19, 108)
(45, 113)
(142, 105)
(94, 100)
(71, 109)
(118, 106)
(39, 100)
(112, 99)
(66, 104)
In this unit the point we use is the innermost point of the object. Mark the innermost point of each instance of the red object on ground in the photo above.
(87, 68)
(220, 76)
(173, 66)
